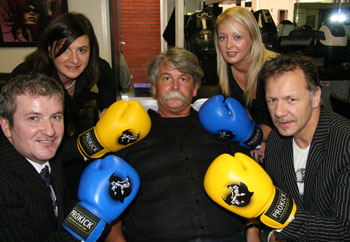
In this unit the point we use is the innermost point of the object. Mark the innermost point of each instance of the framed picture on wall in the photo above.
(23, 21)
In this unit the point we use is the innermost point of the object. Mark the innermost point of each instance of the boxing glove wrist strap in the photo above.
(88, 144)
(83, 224)
(281, 211)
(255, 140)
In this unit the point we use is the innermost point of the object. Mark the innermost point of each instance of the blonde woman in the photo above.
(240, 56)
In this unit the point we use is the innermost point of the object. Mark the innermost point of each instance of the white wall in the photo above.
(98, 13)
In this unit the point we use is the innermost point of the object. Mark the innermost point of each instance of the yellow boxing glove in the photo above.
(123, 123)
(240, 184)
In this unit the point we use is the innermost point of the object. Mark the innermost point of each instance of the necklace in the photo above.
(70, 86)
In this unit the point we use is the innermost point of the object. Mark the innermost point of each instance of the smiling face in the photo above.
(174, 91)
(73, 61)
(234, 42)
(37, 129)
(293, 108)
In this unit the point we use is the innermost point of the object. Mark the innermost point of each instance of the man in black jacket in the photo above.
(172, 160)
(308, 155)
(31, 118)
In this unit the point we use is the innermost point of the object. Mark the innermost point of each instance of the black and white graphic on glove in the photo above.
(127, 138)
(239, 195)
(119, 188)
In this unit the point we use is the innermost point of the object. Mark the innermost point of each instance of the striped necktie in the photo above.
(45, 175)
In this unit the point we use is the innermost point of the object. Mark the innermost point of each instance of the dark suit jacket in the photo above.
(26, 212)
(324, 212)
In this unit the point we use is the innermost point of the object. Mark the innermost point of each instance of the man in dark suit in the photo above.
(31, 118)
(308, 154)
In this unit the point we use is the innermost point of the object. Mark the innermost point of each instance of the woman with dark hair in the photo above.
(25, 21)
(68, 51)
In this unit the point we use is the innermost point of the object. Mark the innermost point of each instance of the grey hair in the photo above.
(182, 59)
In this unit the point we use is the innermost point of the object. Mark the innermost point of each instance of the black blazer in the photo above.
(324, 212)
(26, 212)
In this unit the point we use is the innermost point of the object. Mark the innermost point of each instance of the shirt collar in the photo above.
(39, 167)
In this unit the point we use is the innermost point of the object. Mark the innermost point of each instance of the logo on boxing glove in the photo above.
(127, 138)
(239, 195)
(226, 134)
(281, 207)
(119, 188)
(92, 146)
(91, 142)
(81, 221)
(255, 139)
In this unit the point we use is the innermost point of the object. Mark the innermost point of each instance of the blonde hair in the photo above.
(258, 54)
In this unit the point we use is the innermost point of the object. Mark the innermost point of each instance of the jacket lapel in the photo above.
(29, 177)
(288, 171)
(316, 157)
(57, 184)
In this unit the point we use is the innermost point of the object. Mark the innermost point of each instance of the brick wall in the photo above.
(141, 33)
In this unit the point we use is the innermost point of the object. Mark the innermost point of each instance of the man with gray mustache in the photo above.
(172, 160)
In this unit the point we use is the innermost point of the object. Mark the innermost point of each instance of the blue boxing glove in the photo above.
(106, 188)
(228, 119)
